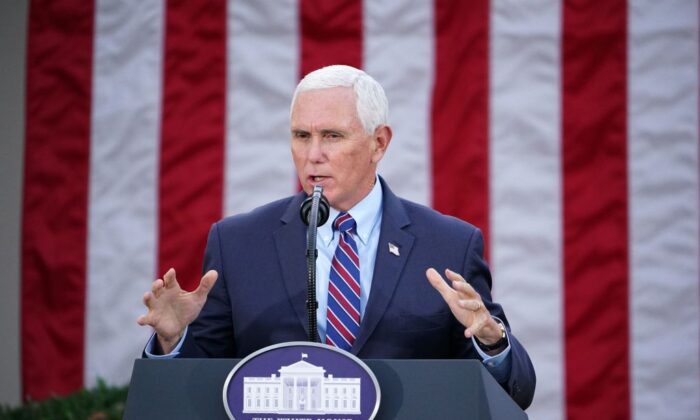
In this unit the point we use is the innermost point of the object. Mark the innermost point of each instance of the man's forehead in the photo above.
(337, 92)
(335, 106)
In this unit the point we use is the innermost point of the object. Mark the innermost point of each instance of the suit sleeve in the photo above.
(211, 334)
(520, 383)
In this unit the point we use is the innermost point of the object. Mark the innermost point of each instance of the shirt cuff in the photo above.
(176, 351)
(498, 365)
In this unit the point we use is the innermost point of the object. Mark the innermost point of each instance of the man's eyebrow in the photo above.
(332, 131)
(324, 131)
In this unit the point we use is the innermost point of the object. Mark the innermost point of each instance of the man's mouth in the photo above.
(317, 178)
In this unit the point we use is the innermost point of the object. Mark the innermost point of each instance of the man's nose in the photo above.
(316, 150)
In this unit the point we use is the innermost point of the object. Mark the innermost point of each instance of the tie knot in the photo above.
(344, 223)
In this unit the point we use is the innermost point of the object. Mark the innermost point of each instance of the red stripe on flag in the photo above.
(595, 210)
(460, 115)
(331, 33)
(56, 179)
(192, 134)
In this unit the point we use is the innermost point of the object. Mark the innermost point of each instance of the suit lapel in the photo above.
(290, 242)
(388, 266)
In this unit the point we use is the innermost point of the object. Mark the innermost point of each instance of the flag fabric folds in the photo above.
(567, 131)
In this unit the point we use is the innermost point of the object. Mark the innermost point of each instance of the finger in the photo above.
(458, 282)
(453, 275)
(479, 325)
(471, 331)
(169, 279)
(206, 283)
(439, 283)
(471, 304)
(488, 331)
(157, 286)
(147, 298)
(146, 319)
(465, 289)
(476, 327)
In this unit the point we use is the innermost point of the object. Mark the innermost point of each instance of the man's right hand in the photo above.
(171, 309)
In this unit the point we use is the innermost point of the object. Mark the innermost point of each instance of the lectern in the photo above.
(410, 389)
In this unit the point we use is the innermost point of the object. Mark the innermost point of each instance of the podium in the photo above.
(410, 389)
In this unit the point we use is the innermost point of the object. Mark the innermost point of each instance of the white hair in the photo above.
(370, 99)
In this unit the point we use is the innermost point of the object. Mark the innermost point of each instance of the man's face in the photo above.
(331, 149)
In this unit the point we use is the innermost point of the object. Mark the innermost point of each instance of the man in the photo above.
(376, 256)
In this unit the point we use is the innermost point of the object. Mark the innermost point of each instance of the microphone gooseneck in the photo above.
(314, 212)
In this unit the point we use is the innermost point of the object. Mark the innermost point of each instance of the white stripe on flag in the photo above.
(123, 194)
(526, 186)
(398, 52)
(262, 72)
(663, 168)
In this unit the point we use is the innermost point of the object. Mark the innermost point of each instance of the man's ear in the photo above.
(381, 138)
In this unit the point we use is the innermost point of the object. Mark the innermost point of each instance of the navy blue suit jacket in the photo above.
(260, 296)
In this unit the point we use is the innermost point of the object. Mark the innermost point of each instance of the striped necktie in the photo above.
(344, 287)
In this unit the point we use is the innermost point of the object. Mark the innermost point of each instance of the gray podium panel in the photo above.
(411, 389)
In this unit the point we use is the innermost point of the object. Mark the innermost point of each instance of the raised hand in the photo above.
(171, 309)
(466, 305)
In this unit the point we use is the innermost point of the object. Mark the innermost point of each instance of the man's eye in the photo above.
(301, 136)
(333, 136)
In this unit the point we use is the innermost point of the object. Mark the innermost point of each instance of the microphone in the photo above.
(323, 209)
(314, 212)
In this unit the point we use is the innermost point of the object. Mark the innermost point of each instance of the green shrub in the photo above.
(100, 403)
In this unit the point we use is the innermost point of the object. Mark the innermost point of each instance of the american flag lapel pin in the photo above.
(393, 249)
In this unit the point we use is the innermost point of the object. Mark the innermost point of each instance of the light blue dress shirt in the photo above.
(368, 217)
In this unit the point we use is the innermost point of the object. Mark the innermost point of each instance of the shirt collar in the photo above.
(366, 213)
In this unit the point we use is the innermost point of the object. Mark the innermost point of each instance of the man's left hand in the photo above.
(466, 305)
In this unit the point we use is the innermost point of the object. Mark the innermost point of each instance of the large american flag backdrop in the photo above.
(568, 131)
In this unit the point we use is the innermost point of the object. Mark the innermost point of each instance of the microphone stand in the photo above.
(312, 253)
